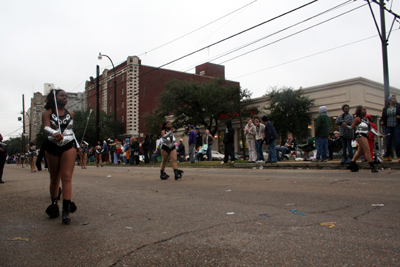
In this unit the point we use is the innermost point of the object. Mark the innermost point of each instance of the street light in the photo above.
(100, 57)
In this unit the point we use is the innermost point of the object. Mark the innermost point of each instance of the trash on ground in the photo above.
(128, 227)
(230, 213)
(18, 239)
(298, 159)
(290, 204)
(85, 223)
(298, 213)
(261, 167)
(329, 224)
(377, 205)
(229, 190)
(264, 214)
(109, 176)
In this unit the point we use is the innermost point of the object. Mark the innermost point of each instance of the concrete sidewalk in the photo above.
(316, 165)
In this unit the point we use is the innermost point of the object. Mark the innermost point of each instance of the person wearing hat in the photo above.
(192, 143)
(322, 128)
(334, 143)
(346, 134)
(391, 122)
(270, 137)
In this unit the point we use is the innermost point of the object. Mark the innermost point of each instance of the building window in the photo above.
(123, 104)
(122, 118)
(110, 109)
(122, 91)
(122, 77)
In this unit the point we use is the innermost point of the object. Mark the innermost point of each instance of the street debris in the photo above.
(85, 223)
(229, 190)
(290, 204)
(264, 214)
(261, 167)
(297, 213)
(230, 213)
(18, 239)
(329, 224)
(128, 227)
(109, 176)
(377, 205)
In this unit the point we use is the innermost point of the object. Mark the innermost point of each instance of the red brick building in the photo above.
(139, 88)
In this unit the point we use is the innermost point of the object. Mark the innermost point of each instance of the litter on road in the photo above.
(18, 239)
(264, 214)
(329, 224)
(377, 205)
(230, 213)
(297, 213)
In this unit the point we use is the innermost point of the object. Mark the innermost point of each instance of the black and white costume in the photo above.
(168, 142)
(54, 147)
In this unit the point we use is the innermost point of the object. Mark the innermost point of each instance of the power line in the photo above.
(13, 131)
(293, 34)
(282, 30)
(218, 42)
(315, 54)
(198, 28)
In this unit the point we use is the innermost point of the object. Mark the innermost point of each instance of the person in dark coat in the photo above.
(146, 149)
(181, 151)
(270, 137)
(229, 140)
(199, 138)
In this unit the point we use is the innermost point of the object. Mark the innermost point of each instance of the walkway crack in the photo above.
(172, 237)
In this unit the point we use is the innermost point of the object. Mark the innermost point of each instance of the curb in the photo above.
(316, 165)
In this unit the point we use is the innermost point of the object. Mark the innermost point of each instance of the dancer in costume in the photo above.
(33, 155)
(99, 150)
(168, 149)
(60, 150)
(362, 126)
(83, 156)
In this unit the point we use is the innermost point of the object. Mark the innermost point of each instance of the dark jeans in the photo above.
(146, 156)
(392, 135)
(271, 152)
(229, 152)
(259, 149)
(347, 149)
(283, 151)
(2, 162)
(322, 148)
(209, 156)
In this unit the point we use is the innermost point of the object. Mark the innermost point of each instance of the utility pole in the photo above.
(384, 42)
(97, 104)
(23, 123)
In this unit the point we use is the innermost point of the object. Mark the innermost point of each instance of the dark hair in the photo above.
(358, 110)
(345, 105)
(164, 124)
(50, 104)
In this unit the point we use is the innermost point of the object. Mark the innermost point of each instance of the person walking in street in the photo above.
(209, 140)
(60, 152)
(168, 149)
(229, 140)
(33, 155)
(362, 126)
(391, 122)
(259, 139)
(84, 154)
(3, 156)
(346, 135)
(270, 137)
(322, 128)
(192, 143)
(98, 154)
(250, 133)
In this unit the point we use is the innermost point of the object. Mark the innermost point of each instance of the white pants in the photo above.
(251, 144)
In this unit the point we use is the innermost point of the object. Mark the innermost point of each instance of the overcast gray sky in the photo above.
(58, 42)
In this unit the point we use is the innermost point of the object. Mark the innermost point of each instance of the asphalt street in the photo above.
(127, 216)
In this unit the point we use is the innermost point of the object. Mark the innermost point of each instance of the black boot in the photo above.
(163, 175)
(53, 210)
(178, 174)
(353, 166)
(373, 169)
(68, 207)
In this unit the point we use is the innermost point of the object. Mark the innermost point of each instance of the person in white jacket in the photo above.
(259, 140)
(250, 133)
